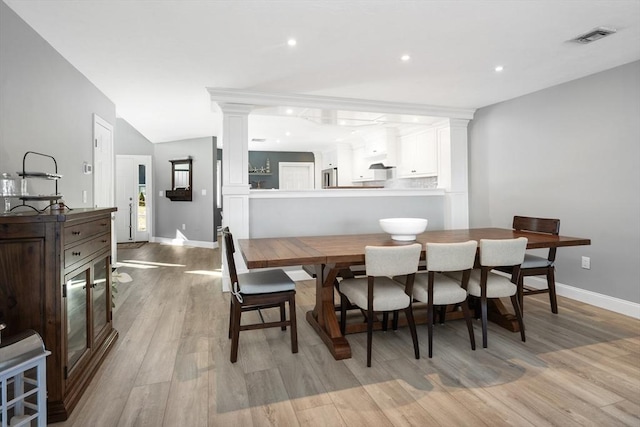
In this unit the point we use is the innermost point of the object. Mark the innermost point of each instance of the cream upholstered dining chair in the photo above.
(436, 289)
(378, 292)
(536, 265)
(256, 290)
(484, 284)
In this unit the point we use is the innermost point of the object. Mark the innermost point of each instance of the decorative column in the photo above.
(456, 183)
(235, 179)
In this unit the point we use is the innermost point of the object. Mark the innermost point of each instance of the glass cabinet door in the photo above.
(100, 297)
(76, 305)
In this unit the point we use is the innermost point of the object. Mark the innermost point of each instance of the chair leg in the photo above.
(385, 320)
(412, 327)
(343, 314)
(294, 325)
(521, 290)
(235, 335)
(518, 310)
(483, 309)
(231, 305)
(283, 316)
(551, 284)
(430, 328)
(395, 320)
(467, 318)
(369, 333)
(442, 314)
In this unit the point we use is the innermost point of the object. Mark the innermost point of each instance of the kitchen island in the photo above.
(333, 211)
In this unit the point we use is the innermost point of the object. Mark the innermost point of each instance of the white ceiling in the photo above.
(155, 58)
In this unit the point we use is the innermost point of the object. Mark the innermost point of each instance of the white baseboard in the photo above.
(607, 302)
(190, 243)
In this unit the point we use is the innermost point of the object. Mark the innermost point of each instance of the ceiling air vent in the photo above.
(258, 139)
(593, 35)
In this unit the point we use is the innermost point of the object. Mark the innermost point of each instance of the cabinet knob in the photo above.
(75, 253)
(75, 233)
(104, 240)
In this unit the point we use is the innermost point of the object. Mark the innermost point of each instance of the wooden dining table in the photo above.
(334, 256)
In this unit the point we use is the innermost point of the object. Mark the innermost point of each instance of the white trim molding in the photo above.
(267, 99)
(179, 242)
(607, 302)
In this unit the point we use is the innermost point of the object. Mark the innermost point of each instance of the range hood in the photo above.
(380, 166)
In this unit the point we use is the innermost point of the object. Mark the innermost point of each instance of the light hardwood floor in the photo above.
(170, 365)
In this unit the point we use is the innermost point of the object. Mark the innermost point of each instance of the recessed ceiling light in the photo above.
(405, 58)
(292, 42)
(289, 111)
(499, 68)
(288, 133)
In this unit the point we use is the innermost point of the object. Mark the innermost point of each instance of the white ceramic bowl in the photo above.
(404, 229)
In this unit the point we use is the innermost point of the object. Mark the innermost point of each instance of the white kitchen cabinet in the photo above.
(330, 159)
(380, 143)
(361, 163)
(419, 155)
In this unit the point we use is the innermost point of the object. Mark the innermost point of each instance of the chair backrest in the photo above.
(231, 264)
(451, 256)
(502, 252)
(392, 260)
(538, 225)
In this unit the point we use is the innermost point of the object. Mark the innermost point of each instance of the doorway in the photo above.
(295, 175)
(134, 194)
(103, 186)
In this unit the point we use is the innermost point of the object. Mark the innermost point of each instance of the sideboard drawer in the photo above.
(75, 233)
(77, 253)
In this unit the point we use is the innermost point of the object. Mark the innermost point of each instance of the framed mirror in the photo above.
(181, 180)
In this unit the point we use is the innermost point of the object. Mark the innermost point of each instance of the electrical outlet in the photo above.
(84, 196)
(586, 262)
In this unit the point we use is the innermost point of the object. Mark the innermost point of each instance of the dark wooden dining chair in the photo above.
(484, 283)
(378, 292)
(436, 289)
(258, 290)
(536, 265)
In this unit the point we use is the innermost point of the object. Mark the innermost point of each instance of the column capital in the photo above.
(232, 108)
(459, 123)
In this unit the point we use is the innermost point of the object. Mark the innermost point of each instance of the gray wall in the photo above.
(318, 216)
(570, 152)
(46, 105)
(259, 159)
(128, 141)
(197, 215)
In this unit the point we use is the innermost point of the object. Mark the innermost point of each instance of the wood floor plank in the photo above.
(188, 396)
(320, 416)
(145, 406)
(268, 399)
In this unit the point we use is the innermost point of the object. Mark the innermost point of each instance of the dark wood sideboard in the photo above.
(55, 278)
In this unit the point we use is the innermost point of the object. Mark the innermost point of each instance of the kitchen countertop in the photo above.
(345, 192)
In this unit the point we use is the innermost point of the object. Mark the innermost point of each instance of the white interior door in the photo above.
(133, 198)
(295, 175)
(103, 167)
